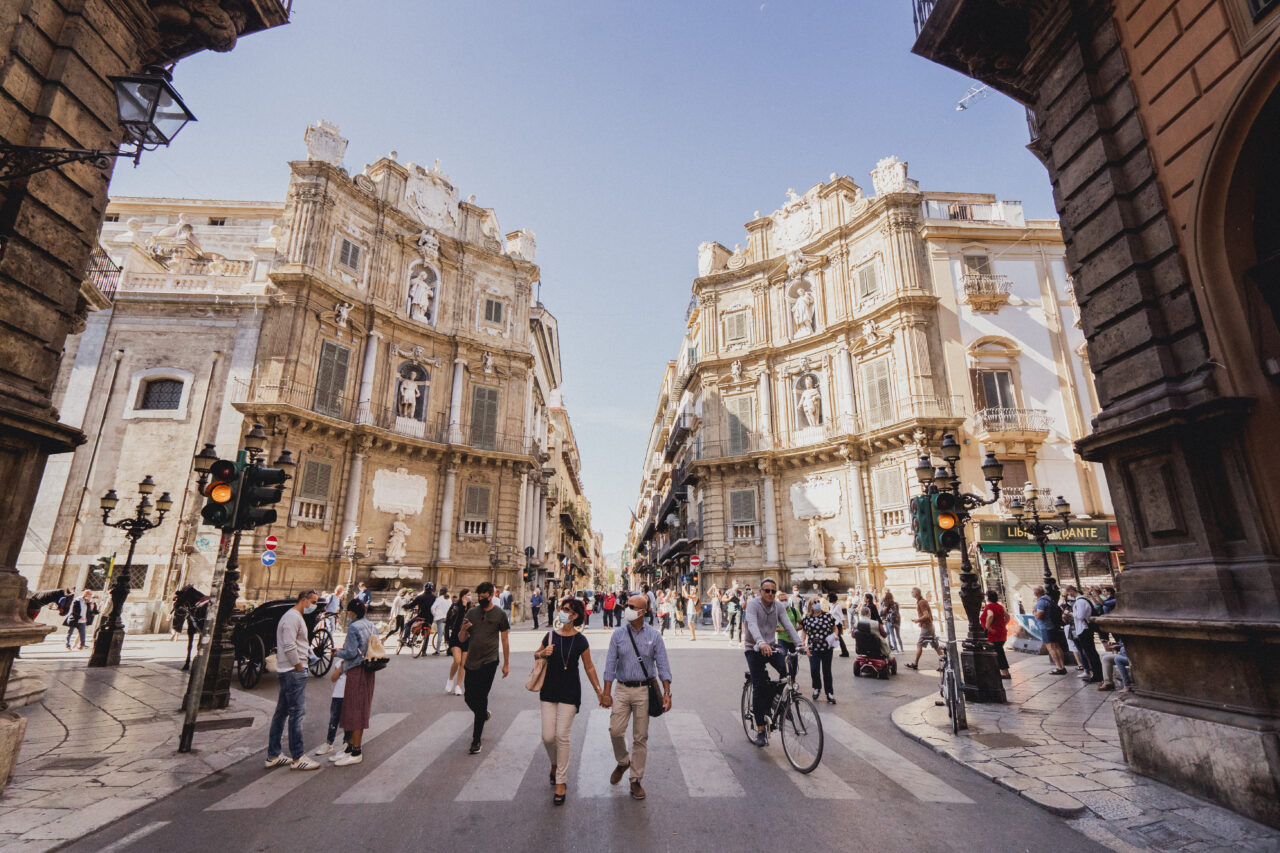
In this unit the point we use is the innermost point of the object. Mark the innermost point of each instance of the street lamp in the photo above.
(149, 110)
(349, 546)
(106, 648)
(1039, 528)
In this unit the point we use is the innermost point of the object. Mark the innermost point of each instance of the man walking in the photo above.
(843, 620)
(761, 621)
(924, 618)
(535, 604)
(439, 610)
(505, 600)
(1049, 620)
(292, 647)
(636, 654)
(1082, 613)
(484, 625)
(332, 607)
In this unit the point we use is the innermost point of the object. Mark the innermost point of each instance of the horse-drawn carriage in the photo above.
(254, 639)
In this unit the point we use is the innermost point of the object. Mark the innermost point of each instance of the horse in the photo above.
(190, 605)
(42, 597)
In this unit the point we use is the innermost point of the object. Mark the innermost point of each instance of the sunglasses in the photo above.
(769, 590)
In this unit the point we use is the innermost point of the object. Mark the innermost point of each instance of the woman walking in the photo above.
(664, 611)
(81, 615)
(457, 648)
(357, 697)
(891, 619)
(817, 631)
(716, 614)
(692, 612)
(561, 692)
(395, 620)
(996, 621)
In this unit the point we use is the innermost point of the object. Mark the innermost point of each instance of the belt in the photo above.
(634, 683)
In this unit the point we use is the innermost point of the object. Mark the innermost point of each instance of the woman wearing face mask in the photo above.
(561, 692)
(357, 701)
(816, 630)
(457, 648)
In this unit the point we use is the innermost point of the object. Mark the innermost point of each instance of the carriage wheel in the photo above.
(322, 648)
(252, 665)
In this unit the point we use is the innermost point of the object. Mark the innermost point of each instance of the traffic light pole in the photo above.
(953, 649)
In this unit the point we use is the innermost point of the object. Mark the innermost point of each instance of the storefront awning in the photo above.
(1051, 548)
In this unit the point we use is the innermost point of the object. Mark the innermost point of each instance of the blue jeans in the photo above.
(335, 716)
(79, 626)
(291, 703)
(895, 638)
(761, 684)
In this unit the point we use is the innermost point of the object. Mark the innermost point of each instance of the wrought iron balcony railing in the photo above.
(992, 420)
(920, 11)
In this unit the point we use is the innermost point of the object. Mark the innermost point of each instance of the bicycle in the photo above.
(949, 689)
(791, 714)
(419, 631)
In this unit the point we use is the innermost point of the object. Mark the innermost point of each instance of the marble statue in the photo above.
(407, 398)
(802, 311)
(817, 543)
(811, 402)
(486, 359)
(341, 312)
(735, 370)
(396, 541)
(869, 331)
(421, 295)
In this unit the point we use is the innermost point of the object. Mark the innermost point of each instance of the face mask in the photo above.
(310, 608)
(562, 619)
(484, 601)
(630, 614)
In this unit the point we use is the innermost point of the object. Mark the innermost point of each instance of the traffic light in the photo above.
(220, 491)
(527, 575)
(922, 524)
(693, 577)
(946, 522)
(259, 487)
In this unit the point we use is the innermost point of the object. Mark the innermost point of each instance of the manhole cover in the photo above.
(1001, 740)
(1164, 834)
(77, 763)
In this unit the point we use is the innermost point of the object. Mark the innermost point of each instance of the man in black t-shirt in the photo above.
(420, 609)
(486, 625)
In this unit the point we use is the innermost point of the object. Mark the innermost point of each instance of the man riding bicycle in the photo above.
(760, 639)
(420, 608)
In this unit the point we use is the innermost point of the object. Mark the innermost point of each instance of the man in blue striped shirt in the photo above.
(636, 654)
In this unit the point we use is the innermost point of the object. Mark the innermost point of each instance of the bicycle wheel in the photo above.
(748, 720)
(801, 729)
(420, 647)
(953, 700)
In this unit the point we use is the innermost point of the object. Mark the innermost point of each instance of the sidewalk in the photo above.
(102, 743)
(1055, 743)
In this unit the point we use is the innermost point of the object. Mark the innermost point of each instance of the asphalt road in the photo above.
(708, 787)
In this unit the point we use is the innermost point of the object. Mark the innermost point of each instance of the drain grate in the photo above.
(224, 723)
(1001, 740)
(77, 763)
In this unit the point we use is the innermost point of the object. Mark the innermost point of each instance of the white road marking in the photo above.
(276, 783)
(821, 784)
(499, 776)
(397, 772)
(706, 773)
(143, 832)
(920, 783)
(596, 762)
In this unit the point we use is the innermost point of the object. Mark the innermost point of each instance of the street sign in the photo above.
(268, 557)
(695, 561)
(272, 542)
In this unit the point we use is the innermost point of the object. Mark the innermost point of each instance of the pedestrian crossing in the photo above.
(687, 759)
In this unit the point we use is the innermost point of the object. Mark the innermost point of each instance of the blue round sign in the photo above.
(268, 557)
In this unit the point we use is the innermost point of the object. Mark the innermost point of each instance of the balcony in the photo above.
(390, 419)
(740, 531)
(985, 293)
(920, 11)
(680, 429)
(882, 418)
(480, 439)
(1010, 426)
(741, 446)
(297, 396)
(102, 275)
(686, 373)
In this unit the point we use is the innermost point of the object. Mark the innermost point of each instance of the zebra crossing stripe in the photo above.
(706, 773)
(821, 784)
(920, 783)
(499, 776)
(277, 783)
(596, 761)
(398, 772)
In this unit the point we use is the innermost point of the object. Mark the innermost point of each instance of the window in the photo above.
(111, 217)
(316, 476)
(493, 311)
(742, 514)
(484, 417)
(217, 221)
(331, 379)
(475, 511)
(868, 280)
(349, 255)
(890, 486)
(742, 423)
(1015, 476)
(977, 265)
(993, 389)
(160, 394)
(737, 327)
(877, 393)
(137, 577)
(1258, 8)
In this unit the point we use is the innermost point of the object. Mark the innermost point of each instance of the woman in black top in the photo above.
(817, 625)
(457, 648)
(561, 692)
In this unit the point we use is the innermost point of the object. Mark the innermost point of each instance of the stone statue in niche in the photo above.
(817, 544)
(810, 401)
(869, 331)
(735, 370)
(396, 548)
(802, 311)
(421, 294)
(407, 399)
(486, 360)
(341, 312)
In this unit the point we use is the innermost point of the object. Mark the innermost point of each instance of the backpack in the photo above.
(64, 605)
(1055, 614)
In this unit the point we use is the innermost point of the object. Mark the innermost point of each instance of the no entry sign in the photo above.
(272, 542)
(695, 561)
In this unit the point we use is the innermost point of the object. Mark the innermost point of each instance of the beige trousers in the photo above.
(557, 732)
(630, 702)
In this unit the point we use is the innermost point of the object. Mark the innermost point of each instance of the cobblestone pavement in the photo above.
(1056, 744)
(102, 743)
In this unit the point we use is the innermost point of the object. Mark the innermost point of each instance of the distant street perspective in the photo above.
(694, 434)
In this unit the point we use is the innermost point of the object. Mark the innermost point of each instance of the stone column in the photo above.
(770, 518)
(446, 512)
(364, 413)
(764, 393)
(844, 373)
(455, 402)
(355, 480)
(540, 513)
(902, 236)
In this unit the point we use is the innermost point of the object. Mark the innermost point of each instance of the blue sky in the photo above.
(623, 135)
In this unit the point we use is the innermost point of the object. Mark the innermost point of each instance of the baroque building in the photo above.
(821, 356)
(382, 329)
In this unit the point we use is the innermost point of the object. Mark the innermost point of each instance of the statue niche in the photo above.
(809, 401)
(412, 385)
(802, 304)
(422, 294)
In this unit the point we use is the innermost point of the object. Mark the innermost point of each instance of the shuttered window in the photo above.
(493, 311)
(742, 506)
(977, 265)
(890, 486)
(737, 326)
(1015, 475)
(877, 392)
(484, 417)
(314, 484)
(477, 503)
(742, 422)
(868, 280)
(993, 389)
(349, 255)
(331, 379)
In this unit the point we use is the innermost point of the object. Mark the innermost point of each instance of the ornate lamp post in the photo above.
(350, 544)
(1040, 529)
(981, 671)
(106, 648)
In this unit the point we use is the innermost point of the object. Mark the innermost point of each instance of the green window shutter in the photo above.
(331, 379)
(316, 477)
(741, 423)
(477, 502)
(868, 280)
(742, 506)
(484, 417)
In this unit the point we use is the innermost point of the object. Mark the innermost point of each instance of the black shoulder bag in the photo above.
(655, 689)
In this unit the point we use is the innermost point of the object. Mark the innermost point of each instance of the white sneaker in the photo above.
(324, 750)
(304, 763)
(338, 754)
(457, 691)
(347, 758)
(279, 761)
(448, 686)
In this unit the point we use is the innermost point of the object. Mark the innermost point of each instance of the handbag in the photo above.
(539, 672)
(655, 690)
(376, 656)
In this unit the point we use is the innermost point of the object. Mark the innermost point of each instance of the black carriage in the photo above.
(254, 639)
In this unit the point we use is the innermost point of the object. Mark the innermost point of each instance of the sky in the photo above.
(621, 134)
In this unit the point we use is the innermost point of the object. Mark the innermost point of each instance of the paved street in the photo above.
(418, 785)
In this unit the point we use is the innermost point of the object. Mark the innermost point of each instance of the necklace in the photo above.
(564, 659)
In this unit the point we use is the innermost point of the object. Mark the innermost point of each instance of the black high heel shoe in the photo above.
(558, 799)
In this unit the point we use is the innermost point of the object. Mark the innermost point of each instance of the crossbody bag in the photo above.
(655, 689)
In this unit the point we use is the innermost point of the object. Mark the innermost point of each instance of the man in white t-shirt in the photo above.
(837, 613)
(438, 611)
